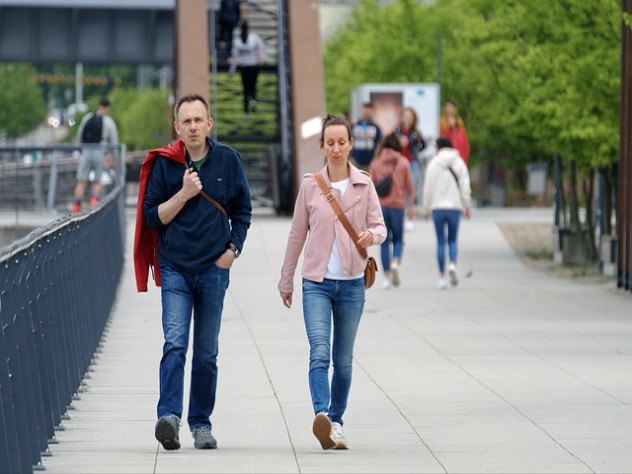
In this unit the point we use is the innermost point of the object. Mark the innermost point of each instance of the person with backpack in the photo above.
(96, 131)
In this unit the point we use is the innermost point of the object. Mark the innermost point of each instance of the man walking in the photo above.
(366, 138)
(95, 132)
(193, 214)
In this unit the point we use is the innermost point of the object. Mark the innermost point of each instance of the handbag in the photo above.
(384, 186)
(371, 265)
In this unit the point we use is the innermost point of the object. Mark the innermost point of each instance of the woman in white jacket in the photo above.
(447, 195)
(247, 55)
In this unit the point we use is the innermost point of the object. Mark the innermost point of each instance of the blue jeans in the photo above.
(394, 220)
(415, 168)
(200, 295)
(449, 218)
(342, 302)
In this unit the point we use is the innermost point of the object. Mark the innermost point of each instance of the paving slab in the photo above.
(513, 371)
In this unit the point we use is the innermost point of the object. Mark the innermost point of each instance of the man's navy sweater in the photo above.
(200, 233)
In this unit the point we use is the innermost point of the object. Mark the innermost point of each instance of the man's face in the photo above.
(367, 112)
(193, 124)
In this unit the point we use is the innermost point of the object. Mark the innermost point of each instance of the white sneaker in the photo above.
(338, 436)
(454, 277)
(387, 285)
(395, 275)
(442, 284)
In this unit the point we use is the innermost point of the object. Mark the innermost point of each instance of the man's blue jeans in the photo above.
(184, 295)
(394, 220)
(449, 218)
(340, 302)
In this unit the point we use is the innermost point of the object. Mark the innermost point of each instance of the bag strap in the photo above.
(208, 198)
(205, 196)
(331, 199)
(455, 177)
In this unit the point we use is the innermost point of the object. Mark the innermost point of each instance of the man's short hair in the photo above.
(190, 98)
(104, 102)
(368, 105)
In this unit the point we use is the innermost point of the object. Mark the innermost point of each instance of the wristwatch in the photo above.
(234, 248)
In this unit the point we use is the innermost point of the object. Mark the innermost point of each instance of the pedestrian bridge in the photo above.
(514, 370)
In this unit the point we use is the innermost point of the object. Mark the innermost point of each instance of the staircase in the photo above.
(256, 136)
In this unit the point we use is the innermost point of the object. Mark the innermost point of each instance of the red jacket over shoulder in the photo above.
(145, 238)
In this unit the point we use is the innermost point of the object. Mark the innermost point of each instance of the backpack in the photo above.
(93, 129)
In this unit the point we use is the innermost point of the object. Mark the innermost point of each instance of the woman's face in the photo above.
(450, 113)
(409, 118)
(337, 144)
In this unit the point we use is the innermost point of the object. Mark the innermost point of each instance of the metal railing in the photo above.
(43, 178)
(57, 288)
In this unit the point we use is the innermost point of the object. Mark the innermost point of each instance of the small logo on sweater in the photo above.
(219, 180)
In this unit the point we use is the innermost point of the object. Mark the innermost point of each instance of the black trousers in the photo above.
(249, 80)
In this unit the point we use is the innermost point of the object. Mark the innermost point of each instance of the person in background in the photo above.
(452, 127)
(447, 195)
(248, 55)
(389, 160)
(190, 240)
(229, 15)
(366, 138)
(413, 143)
(333, 274)
(96, 133)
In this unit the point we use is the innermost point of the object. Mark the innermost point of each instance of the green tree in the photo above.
(378, 44)
(22, 106)
(532, 78)
(145, 117)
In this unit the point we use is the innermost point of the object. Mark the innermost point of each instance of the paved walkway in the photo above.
(513, 371)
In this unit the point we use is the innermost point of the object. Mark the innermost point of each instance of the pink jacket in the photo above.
(313, 215)
(390, 161)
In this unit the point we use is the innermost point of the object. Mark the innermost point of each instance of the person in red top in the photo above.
(452, 127)
(389, 159)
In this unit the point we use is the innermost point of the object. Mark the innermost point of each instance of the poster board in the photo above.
(389, 99)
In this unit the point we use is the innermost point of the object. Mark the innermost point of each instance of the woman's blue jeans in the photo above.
(415, 168)
(394, 220)
(184, 295)
(340, 302)
(446, 218)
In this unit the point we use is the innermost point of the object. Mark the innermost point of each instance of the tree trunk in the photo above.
(607, 201)
(588, 233)
(575, 225)
(558, 176)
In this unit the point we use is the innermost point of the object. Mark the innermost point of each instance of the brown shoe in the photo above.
(322, 430)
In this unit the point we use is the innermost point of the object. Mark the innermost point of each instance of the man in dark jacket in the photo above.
(229, 15)
(366, 138)
(197, 242)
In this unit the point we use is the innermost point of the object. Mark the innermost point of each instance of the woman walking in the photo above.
(248, 54)
(333, 273)
(389, 161)
(413, 143)
(447, 194)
